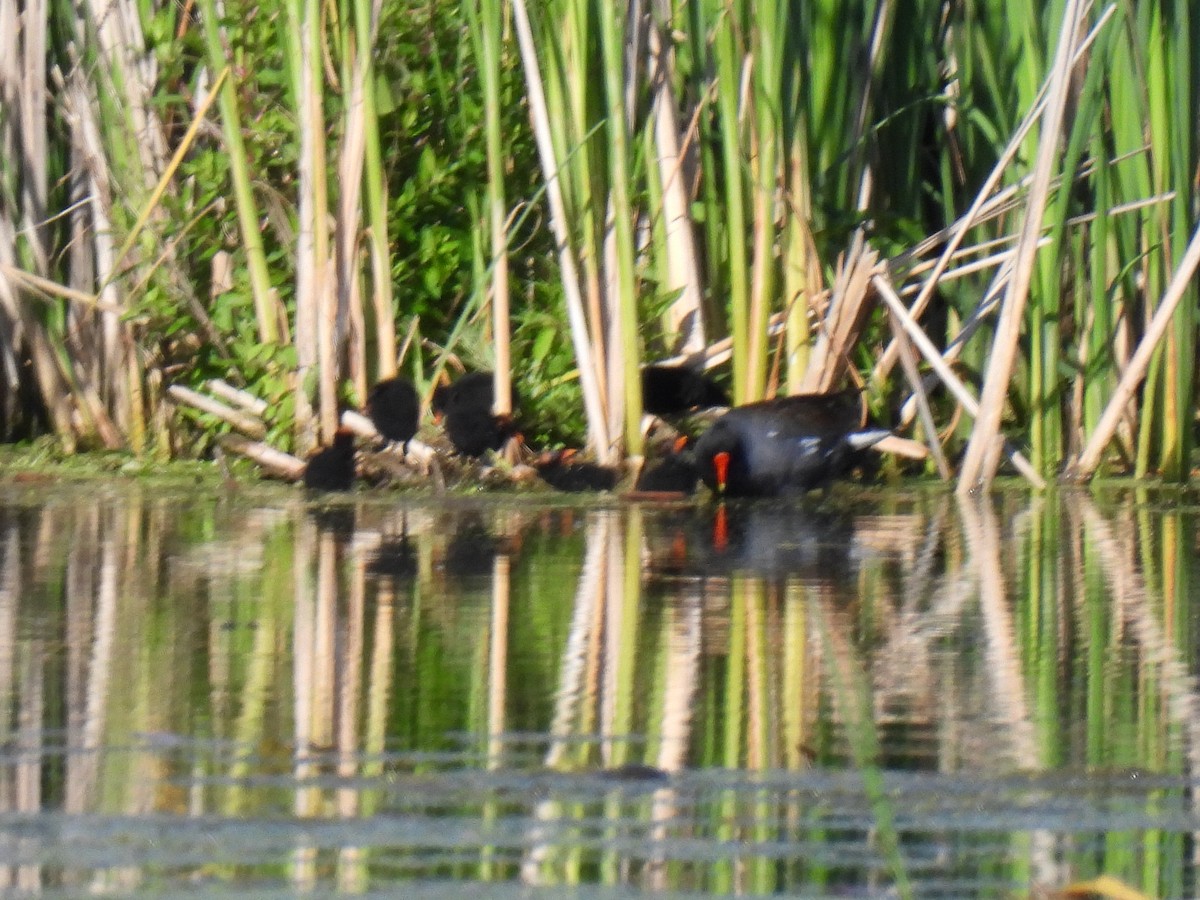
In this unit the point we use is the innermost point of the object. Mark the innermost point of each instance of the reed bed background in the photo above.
(302, 198)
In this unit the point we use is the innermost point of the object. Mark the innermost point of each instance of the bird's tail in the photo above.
(860, 440)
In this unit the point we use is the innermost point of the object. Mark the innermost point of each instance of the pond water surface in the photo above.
(890, 693)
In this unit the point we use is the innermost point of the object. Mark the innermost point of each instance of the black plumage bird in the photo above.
(788, 445)
(562, 471)
(474, 390)
(332, 469)
(465, 410)
(394, 407)
(673, 390)
(675, 473)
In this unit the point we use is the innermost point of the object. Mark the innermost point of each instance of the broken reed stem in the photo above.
(242, 421)
(939, 366)
(1089, 459)
(237, 397)
(365, 428)
(909, 364)
(979, 464)
(985, 206)
(281, 464)
(38, 285)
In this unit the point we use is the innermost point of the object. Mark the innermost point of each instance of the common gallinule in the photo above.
(394, 407)
(560, 470)
(788, 445)
(672, 390)
(332, 469)
(465, 409)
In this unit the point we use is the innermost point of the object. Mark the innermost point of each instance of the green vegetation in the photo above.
(301, 198)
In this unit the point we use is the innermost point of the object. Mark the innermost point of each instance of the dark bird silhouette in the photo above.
(394, 407)
(474, 432)
(471, 552)
(788, 445)
(675, 473)
(332, 469)
(562, 471)
(773, 540)
(672, 390)
(473, 390)
(465, 410)
(394, 559)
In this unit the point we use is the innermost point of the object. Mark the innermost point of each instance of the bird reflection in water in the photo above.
(756, 539)
(472, 549)
(336, 520)
(395, 559)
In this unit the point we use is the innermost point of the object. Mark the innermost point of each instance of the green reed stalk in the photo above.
(580, 106)
(770, 24)
(314, 187)
(583, 327)
(239, 170)
(1095, 307)
(727, 58)
(1170, 74)
(487, 27)
(801, 277)
(383, 322)
(1025, 29)
(621, 307)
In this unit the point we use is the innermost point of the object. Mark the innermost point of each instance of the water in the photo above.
(873, 694)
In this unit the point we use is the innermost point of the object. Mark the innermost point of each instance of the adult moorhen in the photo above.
(465, 410)
(332, 469)
(673, 390)
(394, 407)
(789, 445)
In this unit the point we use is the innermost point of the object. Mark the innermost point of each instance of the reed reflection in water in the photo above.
(906, 693)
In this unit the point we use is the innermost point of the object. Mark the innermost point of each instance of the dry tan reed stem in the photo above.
(237, 397)
(363, 427)
(979, 464)
(1131, 378)
(909, 364)
(539, 118)
(843, 319)
(243, 422)
(37, 284)
(948, 378)
(284, 465)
